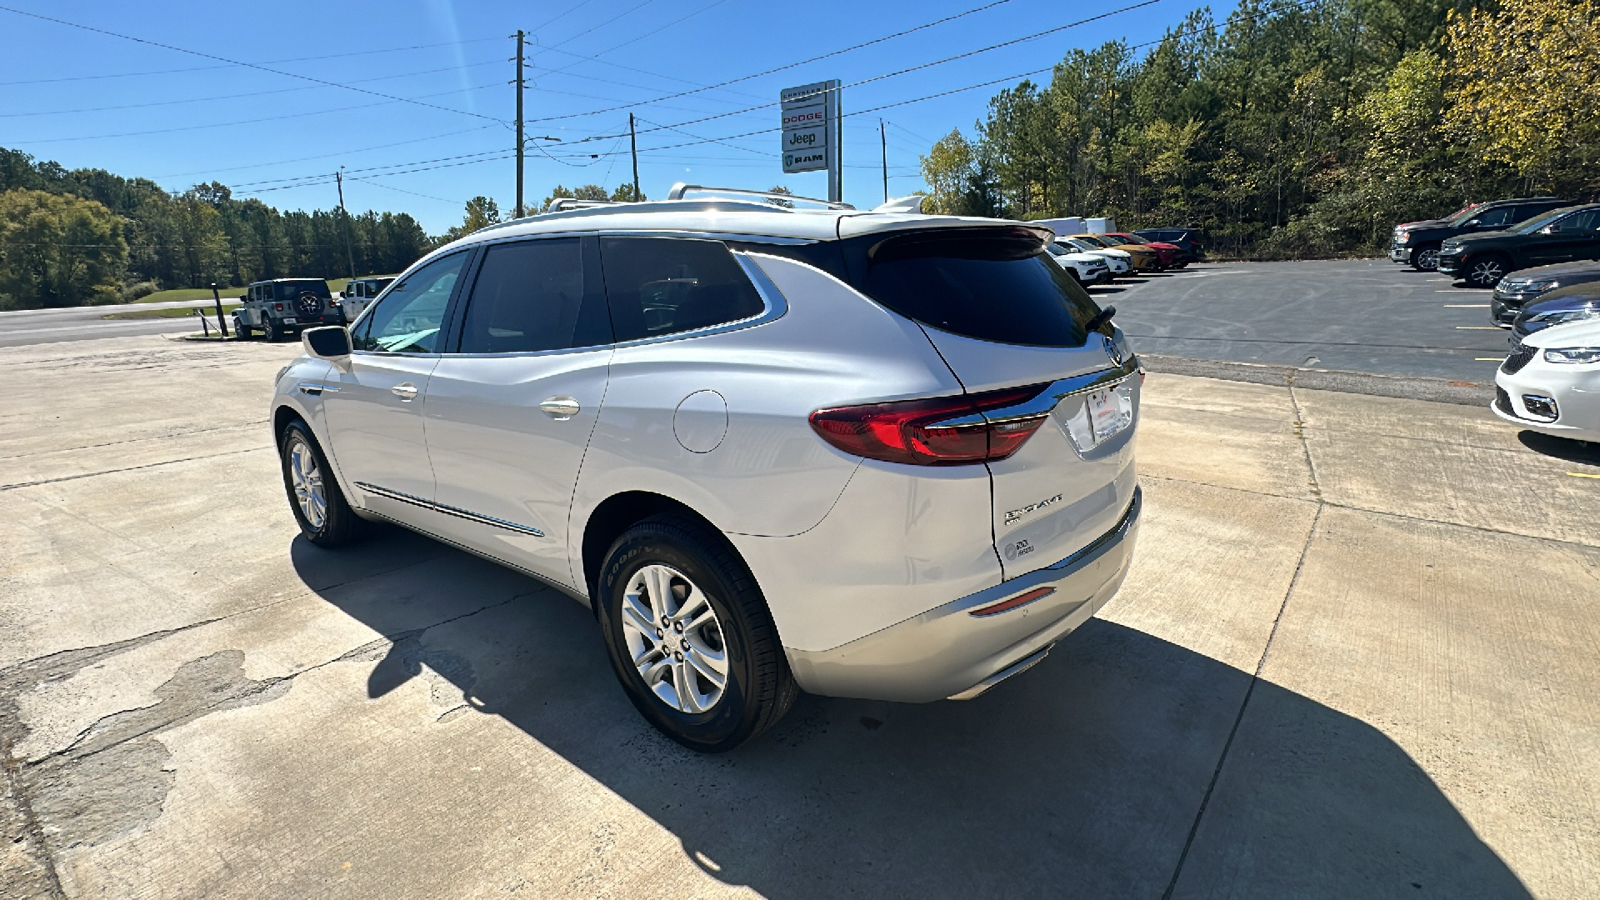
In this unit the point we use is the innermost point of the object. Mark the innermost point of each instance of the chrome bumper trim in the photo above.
(449, 510)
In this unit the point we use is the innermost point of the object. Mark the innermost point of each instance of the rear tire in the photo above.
(1485, 271)
(319, 506)
(698, 572)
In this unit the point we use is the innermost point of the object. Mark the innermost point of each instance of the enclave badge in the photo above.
(1113, 351)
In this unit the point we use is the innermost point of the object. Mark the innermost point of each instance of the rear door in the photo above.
(1004, 316)
(1571, 237)
(374, 405)
(511, 407)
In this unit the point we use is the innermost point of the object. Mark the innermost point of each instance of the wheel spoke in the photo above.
(634, 613)
(715, 669)
(657, 582)
(652, 672)
(683, 682)
(694, 609)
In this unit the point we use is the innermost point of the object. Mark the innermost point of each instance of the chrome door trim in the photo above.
(314, 388)
(449, 510)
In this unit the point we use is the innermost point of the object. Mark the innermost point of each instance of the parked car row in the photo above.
(281, 307)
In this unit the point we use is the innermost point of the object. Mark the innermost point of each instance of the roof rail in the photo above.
(561, 204)
(773, 197)
(911, 204)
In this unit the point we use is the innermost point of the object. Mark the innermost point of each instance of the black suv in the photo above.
(1417, 243)
(1515, 292)
(1187, 240)
(1561, 235)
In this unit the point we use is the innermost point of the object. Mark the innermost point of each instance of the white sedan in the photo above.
(1551, 382)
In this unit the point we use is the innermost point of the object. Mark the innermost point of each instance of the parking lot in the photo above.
(1355, 658)
(1368, 315)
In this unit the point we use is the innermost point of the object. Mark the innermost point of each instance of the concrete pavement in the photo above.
(1356, 657)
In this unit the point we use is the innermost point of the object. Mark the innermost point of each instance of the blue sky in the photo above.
(91, 99)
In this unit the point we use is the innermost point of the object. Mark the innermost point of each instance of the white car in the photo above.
(1119, 261)
(1085, 267)
(1551, 382)
(865, 454)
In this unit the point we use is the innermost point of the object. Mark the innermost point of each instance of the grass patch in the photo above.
(181, 312)
(228, 293)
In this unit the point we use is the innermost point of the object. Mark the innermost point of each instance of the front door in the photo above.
(374, 405)
(511, 409)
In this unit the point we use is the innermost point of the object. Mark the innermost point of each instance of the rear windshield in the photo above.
(296, 288)
(993, 284)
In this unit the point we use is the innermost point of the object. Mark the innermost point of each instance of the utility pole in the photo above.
(520, 142)
(883, 141)
(633, 144)
(344, 214)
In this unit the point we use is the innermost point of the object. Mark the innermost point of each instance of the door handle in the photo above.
(560, 407)
(405, 390)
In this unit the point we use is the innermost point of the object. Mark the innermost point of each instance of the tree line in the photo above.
(1295, 129)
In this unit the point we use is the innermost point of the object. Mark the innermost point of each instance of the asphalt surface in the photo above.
(19, 328)
(1369, 316)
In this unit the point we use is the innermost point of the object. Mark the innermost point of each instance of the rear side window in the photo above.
(993, 284)
(528, 296)
(659, 286)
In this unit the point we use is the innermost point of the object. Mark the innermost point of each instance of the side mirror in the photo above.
(330, 342)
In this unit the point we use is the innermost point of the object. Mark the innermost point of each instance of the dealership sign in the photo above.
(810, 127)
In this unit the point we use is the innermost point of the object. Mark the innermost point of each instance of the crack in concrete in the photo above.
(140, 440)
(168, 462)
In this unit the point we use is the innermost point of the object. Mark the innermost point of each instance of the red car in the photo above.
(1166, 254)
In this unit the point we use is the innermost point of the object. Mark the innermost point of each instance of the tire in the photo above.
(338, 524)
(1486, 271)
(1425, 258)
(273, 330)
(240, 330)
(757, 686)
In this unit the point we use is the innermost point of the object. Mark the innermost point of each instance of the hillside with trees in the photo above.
(1296, 128)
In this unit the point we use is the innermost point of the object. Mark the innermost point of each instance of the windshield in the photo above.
(1093, 241)
(1129, 239)
(1460, 215)
(1055, 249)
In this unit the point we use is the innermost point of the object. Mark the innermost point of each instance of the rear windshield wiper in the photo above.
(1101, 318)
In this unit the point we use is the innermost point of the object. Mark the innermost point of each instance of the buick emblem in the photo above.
(1113, 351)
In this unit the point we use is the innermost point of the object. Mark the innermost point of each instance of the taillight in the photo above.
(277, 306)
(944, 431)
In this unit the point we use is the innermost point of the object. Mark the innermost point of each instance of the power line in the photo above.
(879, 40)
(321, 57)
(608, 21)
(88, 109)
(390, 187)
(177, 128)
(281, 162)
(235, 62)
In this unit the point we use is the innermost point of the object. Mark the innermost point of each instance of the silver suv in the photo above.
(865, 454)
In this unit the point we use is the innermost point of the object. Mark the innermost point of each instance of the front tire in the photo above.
(240, 330)
(1486, 271)
(319, 506)
(690, 636)
(274, 331)
(1425, 258)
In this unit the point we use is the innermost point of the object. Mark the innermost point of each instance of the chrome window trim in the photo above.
(449, 510)
(675, 233)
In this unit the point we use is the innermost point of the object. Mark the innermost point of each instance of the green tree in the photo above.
(481, 213)
(58, 250)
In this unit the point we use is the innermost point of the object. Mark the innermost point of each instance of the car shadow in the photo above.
(1082, 778)
(1565, 449)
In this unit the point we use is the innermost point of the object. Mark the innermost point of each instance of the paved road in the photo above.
(1357, 315)
(47, 326)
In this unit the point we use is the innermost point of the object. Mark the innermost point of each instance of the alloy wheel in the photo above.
(306, 478)
(674, 639)
(1428, 260)
(1487, 272)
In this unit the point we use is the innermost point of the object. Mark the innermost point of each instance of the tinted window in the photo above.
(288, 290)
(1578, 222)
(410, 316)
(994, 284)
(660, 286)
(527, 297)
(1494, 218)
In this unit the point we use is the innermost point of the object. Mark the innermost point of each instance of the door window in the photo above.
(410, 317)
(1578, 222)
(660, 286)
(1498, 217)
(528, 296)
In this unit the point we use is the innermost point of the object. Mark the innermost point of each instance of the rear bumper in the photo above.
(951, 652)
